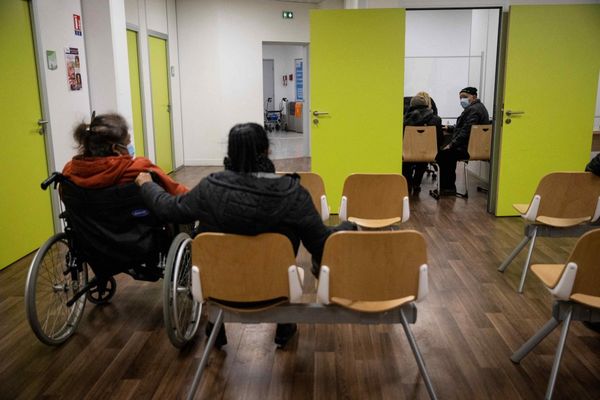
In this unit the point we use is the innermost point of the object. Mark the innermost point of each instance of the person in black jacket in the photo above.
(474, 113)
(248, 198)
(594, 165)
(420, 113)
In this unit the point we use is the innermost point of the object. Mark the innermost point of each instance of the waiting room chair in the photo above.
(479, 149)
(366, 278)
(313, 182)
(375, 201)
(420, 145)
(561, 200)
(376, 272)
(575, 287)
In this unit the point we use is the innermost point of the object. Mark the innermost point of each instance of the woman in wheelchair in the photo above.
(247, 198)
(106, 157)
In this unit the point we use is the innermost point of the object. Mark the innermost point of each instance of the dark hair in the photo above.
(104, 131)
(248, 149)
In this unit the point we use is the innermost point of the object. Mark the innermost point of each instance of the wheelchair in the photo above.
(107, 232)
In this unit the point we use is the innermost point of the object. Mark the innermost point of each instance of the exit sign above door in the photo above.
(287, 14)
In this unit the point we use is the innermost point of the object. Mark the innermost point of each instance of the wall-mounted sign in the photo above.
(77, 24)
(51, 60)
(299, 80)
(73, 68)
(287, 14)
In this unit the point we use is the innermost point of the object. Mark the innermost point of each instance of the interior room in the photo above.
(210, 199)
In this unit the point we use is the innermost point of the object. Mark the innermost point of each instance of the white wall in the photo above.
(63, 108)
(158, 16)
(459, 3)
(221, 66)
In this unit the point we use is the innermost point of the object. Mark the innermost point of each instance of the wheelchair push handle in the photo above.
(55, 178)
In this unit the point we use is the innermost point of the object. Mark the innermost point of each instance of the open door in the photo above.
(553, 60)
(25, 210)
(356, 89)
(136, 93)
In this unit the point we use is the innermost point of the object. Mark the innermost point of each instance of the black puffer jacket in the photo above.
(424, 116)
(474, 114)
(594, 165)
(247, 204)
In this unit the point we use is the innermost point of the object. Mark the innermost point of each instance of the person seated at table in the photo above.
(474, 113)
(420, 113)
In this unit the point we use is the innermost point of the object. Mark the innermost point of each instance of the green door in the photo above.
(553, 60)
(136, 93)
(357, 78)
(161, 115)
(25, 210)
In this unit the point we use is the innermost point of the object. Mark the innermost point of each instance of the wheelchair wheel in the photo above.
(52, 280)
(102, 292)
(181, 312)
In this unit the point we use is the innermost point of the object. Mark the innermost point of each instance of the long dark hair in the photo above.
(248, 149)
(97, 138)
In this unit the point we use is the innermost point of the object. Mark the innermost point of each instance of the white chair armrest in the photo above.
(532, 211)
(423, 283)
(405, 209)
(597, 212)
(295, 281)
(343, 214)
(196, 285)
(564, 287)
(323, 286)
(324, 208)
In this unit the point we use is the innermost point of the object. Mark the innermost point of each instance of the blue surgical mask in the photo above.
(464, 102)
(131, 150)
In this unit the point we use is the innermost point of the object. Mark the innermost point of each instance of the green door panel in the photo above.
(553, 60)
(161, 116)
(25, 210)
(357, 77)
(136, 93)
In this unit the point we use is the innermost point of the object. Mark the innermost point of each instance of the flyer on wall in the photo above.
(73, 68)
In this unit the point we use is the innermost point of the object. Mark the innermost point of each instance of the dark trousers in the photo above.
(413, 172)
(447, 160)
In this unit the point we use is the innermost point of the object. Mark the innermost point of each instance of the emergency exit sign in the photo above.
(287, 14)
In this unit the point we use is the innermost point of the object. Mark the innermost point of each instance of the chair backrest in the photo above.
(374, 266)
(315, 186)
(568, 194)
(586, 255)
(480, 142)
(419, 144)
(236, 269)
(375, 196)
(112, 227)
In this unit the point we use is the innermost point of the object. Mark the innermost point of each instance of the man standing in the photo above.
(474, 113)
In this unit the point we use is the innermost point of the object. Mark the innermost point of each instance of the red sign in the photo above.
(77, 24)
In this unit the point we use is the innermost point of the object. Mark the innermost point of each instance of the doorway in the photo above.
(285, 73)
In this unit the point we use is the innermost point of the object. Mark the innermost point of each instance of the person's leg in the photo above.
(420, 169)
(447, 174)
(407, 172)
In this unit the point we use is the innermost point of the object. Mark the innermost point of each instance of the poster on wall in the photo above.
(299, 80)
(77, 25)
(73, 68)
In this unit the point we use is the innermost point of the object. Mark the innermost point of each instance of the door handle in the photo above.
(509, 113)
(317, 113)
(42, 123)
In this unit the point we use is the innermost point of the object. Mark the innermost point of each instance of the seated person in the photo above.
(106, 157)
(474, 113)
(248, 198)
(594, 165)
(420, 113)
(407, 104)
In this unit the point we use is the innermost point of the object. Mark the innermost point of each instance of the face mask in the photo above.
(129, 147)
(464, 102)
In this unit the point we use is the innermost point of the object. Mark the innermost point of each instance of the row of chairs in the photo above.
(420, 145)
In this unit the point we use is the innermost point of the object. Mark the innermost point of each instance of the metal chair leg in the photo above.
(204, 360)
(559, 351)
(514, 253)
(418, 357)
(534, 340)
(526, 266)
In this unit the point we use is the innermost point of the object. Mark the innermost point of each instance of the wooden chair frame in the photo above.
(575, 287)
(313, 182)
(323, 312)
(577, 202)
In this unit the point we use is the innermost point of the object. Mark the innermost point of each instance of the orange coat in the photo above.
(101, 172)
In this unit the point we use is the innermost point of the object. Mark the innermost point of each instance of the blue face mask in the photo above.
(129, 147)
(464, 102)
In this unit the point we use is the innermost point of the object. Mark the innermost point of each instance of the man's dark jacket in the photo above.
(594, 165)
(474, 114)
(247, 204)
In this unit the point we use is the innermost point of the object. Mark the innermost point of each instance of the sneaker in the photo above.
(221, 337)
(284, 333)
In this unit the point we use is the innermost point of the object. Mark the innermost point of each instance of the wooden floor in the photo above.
(467, 328)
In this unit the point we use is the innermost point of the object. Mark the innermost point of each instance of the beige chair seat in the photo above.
(521, 208)
(549, 274)
(592, 301)
(562, 222)
(372, 306)
(374, 223)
